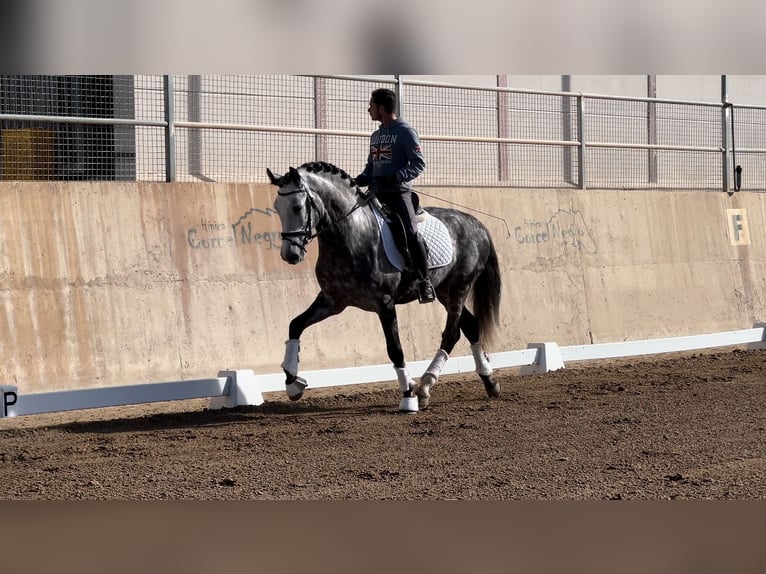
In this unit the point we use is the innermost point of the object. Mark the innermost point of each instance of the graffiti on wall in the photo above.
(565, 230)
(246, 231)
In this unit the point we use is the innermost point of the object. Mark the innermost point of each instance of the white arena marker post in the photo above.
(9, 396)
(242, 388)
(758, 345)
(548, 359)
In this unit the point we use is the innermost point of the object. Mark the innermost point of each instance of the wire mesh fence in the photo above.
(635, 141)
(312, 104)
(149, 141)
(750, 146)
(625, 168)
(231, 128)
(66, 150)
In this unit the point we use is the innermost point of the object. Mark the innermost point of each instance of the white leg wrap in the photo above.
(290, 364)
(405, 382)
(482, 360)
(436, 366)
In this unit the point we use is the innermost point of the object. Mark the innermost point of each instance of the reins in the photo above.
(356, 206)
(307, 234)
(507, 229)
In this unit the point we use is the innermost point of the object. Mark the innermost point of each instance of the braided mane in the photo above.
(328, 168)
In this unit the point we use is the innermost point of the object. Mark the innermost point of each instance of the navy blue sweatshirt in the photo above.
(394, 148)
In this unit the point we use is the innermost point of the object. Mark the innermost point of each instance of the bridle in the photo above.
(302, 237)
(305, 235)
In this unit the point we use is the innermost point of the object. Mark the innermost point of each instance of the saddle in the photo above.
(433, 231)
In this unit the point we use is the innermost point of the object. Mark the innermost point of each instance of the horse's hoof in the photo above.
(492, 388)
(295, 388)
(408, 405)
(423, 391)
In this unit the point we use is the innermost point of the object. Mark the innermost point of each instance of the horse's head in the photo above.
(298, 212)
(312, 199)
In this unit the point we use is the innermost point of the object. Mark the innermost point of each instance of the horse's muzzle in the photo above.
(291, 254)
(292, 258)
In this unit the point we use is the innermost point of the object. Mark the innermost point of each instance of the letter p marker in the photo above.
(9, 397)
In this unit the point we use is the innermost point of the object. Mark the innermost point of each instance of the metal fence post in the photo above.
(170, 130)
(320, 118)
(566, 127)
(399, 95)
(725, 134)
(651, 127)
(503, 129)
(581, 171)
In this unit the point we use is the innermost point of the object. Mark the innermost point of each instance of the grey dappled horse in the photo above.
(320, 200)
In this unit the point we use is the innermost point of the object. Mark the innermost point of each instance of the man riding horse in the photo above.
(395, 160)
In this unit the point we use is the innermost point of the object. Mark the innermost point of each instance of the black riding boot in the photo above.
(419, 254)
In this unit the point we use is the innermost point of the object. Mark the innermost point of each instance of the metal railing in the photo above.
(231, 128)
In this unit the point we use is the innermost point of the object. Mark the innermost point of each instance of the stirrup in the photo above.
(426, 292)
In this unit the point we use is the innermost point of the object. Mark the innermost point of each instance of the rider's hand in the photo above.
(364, 198)
(361, 180)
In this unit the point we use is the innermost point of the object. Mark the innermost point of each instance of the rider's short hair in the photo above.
(386, 98)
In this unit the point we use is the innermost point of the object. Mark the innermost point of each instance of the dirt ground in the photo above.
(688, 426)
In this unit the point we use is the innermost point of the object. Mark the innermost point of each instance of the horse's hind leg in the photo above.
(470, 327)
(468, 324)
(450, 337)
(319, 310)
(388, 321)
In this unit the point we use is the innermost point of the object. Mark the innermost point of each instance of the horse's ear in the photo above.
(294, 175)
(275, 180)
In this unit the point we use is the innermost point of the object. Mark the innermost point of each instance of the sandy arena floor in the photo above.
(682, 426)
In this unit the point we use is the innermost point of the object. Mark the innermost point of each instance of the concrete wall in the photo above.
(112, 284)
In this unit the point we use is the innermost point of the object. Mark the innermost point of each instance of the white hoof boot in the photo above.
(295, 389)
(423, 391)
(408, 405)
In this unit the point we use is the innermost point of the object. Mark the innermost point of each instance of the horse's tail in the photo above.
(486, 297)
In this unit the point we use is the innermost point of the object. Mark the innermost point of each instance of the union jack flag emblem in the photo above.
(380, 152)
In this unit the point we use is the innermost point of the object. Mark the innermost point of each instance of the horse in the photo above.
(319, 200)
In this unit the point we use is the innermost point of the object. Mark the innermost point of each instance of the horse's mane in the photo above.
(323, 167)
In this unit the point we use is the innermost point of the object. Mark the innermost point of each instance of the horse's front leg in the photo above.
(318, 311)
(409, 403)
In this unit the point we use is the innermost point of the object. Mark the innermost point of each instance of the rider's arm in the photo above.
(416, 163)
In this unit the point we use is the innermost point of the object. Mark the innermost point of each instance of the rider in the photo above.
(395, 159)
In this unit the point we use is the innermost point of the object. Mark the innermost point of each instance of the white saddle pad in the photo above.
(434, 233)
